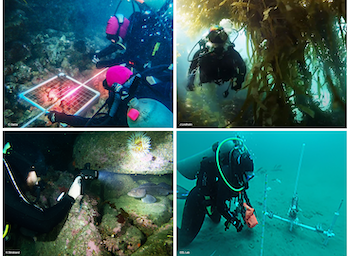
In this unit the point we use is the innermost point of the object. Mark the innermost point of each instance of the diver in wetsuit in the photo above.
(148, 54)
(21, 166)
(116, 31)
(147, 43)
(217, 61)
(211, 192)
(122, 85)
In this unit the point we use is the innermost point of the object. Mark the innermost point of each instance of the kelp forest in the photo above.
(296, 72)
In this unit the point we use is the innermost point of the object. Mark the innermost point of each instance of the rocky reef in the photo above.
(43, 39)
(110, 151)
(47, 55)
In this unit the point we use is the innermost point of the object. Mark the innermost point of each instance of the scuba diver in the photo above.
(148, 57)
(116, 30)
(222, 175)
(217, 61)
(143, 40)
(123, 87)
(22, 165)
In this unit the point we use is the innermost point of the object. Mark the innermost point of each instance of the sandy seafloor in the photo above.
(321, 187)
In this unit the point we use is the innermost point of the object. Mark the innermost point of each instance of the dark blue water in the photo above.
(321, 187)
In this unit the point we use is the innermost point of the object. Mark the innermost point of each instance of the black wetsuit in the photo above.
(209, 196)
(218, 66)
(113, 47)
(149, 50)
(24, 214)
(148, 41)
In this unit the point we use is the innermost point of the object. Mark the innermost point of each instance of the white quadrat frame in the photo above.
(84, 95)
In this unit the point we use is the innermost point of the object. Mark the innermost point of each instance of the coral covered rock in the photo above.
(160, 243)
(112, 151)
(78, 236)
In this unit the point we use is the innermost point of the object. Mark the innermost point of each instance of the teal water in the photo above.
(321, 187)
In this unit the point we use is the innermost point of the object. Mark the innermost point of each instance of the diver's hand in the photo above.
(55, 116)
(237, 87)
(75, 188)
(239, 82)
(95, 59)
(238, 224)
(52, 116)
(190, 87)
(190, 81)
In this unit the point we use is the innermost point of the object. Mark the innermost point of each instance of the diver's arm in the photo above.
(242, 69)
(108, 50)
(222, 196)
(54, 215)
(32, 218)
(194, 62)
(75, 121)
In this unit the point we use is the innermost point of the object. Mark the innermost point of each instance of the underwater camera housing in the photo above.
(87, 173)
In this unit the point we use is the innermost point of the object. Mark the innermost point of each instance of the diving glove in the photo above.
(190, 80)
(236, 88)
(75, 188)
(54, 116)
(237, 224)
(51, 116)
(95, 59)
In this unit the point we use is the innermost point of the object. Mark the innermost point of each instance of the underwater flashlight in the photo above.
(87, 173)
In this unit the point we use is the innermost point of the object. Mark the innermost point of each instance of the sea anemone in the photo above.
(139, 143)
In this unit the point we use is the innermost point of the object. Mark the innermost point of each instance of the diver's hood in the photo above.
(241, 162)
(217, 36)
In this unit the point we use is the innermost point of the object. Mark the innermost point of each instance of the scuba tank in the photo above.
(190, 166)
(147, 112)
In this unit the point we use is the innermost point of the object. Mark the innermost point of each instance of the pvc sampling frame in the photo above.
(82, 95)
